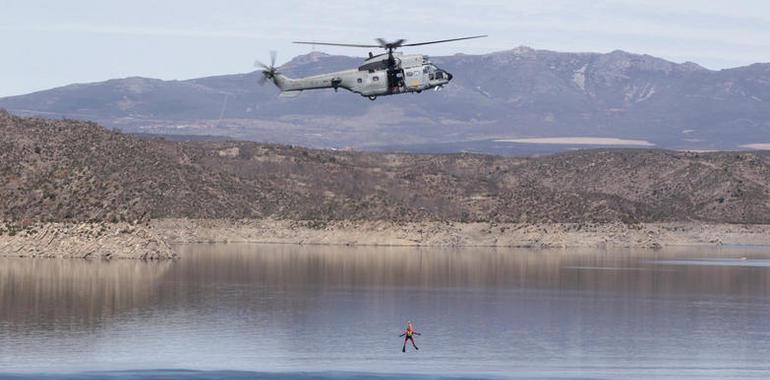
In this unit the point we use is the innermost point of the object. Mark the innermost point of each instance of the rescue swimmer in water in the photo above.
(409, 336)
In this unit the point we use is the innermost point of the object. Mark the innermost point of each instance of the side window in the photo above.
(409, 73)
(425, 70)
(432, 77)
(359, 80)
(375, 78)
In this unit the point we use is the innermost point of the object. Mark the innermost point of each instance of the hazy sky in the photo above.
(51, 43)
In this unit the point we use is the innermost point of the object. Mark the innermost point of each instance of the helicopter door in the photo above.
(395, 81)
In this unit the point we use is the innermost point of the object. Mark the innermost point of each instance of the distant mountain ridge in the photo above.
(514, 94)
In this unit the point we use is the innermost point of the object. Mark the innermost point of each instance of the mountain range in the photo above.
(518, 100)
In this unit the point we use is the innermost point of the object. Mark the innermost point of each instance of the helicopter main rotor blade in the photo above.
(390, 45)
(387, 45)
(260, 64)
(334, 44)
(273, 55)
(442, 41)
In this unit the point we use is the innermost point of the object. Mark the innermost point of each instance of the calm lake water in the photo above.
(260, 311)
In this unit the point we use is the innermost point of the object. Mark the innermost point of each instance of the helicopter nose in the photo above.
(448, 76)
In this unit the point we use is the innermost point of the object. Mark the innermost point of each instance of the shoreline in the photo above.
(155, 240)
(456, 234)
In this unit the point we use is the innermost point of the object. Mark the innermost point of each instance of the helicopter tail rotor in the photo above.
(268, 71)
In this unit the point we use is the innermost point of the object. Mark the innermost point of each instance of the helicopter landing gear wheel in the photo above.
(418, 91)
(372, 98)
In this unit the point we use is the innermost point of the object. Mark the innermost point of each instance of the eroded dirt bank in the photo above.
(154, 241)
(83, 240)
(608, 235)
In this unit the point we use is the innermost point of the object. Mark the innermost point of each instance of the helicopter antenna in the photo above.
(388, 46)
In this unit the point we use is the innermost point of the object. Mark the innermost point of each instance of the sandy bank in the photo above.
(460, 234)
(83, 240)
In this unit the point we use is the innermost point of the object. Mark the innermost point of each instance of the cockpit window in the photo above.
(439, 75)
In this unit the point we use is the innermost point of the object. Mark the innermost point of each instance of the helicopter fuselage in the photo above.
(376, 77)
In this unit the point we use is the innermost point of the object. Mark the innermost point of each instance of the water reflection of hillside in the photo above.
(627, 272)
(248, 278)
(38, 291)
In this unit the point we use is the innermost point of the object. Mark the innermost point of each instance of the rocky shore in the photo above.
(83, 240)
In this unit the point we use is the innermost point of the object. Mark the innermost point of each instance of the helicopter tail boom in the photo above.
(334, 80)
(283, 82)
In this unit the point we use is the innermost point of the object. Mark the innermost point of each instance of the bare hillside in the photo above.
(54, 170)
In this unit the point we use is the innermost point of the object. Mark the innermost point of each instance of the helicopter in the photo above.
(388, 73)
